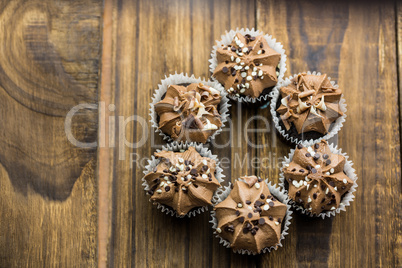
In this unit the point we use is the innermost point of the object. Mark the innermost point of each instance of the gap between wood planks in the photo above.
(398, 40)
(104, 152)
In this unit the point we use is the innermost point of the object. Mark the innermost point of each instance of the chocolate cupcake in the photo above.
(308, 107)
(319, 179)
(189, 109)
(182, 178)
(248, 64)
(251, 218)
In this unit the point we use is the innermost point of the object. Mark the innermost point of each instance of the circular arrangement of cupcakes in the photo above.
(250, 216)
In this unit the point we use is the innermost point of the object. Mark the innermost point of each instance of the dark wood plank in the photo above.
(50, 53)
(355, 45)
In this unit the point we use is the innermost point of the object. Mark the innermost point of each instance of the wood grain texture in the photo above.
(153, 39)
(49, 63)
(49, 188)
(355, 45)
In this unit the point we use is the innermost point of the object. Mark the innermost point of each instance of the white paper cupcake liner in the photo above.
(181, 78)
(227, 38)
(275, 95)
(279, 194)
(178, 147)
(346, 199)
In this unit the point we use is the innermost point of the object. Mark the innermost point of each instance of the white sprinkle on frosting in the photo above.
(218, 230)
(239, 205)
(257, 185)
(345, 181)
(204, 176)
(265, 207)
(159, 191)
(332, 170)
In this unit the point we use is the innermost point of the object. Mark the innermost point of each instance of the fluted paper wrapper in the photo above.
(179, 147)
(346, 200)
(175, 79)
(227, 38)
(279, 194)
(275, 97)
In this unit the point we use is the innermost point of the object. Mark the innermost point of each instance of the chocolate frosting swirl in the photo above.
(311, 103)
(247, 66)
(316, 178)
(189, 113)
(250, 217)
(183, 181)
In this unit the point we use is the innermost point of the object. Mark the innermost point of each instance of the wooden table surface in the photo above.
(66, 206)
